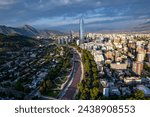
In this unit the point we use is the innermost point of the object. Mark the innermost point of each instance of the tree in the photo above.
(19, 86)
(96, 83)
(94, 93)
(41, 90)
(139, 95)
(94, 69)
(95, 75)
(48, 83)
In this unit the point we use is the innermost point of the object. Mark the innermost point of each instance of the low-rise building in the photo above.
(115, 91)
(106, 92)
(132, 80)
(119, 66)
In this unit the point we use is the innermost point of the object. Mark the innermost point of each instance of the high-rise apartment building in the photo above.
(137, 67)
(140, 57)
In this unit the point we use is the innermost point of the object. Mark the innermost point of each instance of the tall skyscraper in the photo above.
(81, 31)
(71, 35)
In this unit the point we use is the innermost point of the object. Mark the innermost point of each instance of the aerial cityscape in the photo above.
(74, 50)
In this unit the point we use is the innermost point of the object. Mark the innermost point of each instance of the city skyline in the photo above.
(99, 15)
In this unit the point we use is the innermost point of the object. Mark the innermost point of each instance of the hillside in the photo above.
(15, 42)
(25, 30)
(28, 30)
(143, 28)
(48, 33)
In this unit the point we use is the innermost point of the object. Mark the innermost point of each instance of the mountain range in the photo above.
(145, 27)
(28, 30)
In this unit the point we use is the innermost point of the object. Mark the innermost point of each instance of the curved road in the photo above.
(72, 86)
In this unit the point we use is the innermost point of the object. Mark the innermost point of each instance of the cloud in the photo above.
(66, 13)
(4, 3)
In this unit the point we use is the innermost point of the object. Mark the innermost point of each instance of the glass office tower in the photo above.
(81, 32)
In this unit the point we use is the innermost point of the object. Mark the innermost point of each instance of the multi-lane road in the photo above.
(68, 93)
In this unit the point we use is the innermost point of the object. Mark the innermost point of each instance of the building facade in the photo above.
(137, 67)
(81, 31)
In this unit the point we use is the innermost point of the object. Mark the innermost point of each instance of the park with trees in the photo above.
(89, 86)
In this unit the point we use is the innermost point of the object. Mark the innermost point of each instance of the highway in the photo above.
(71, 88)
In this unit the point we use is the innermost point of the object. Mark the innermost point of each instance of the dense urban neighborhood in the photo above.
(123, 64)
(81, 66)
(116, 66)
(103, 66)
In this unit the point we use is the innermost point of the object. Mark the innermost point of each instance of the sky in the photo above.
(64, 15)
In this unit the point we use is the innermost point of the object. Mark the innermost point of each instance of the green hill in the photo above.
(14, 42)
